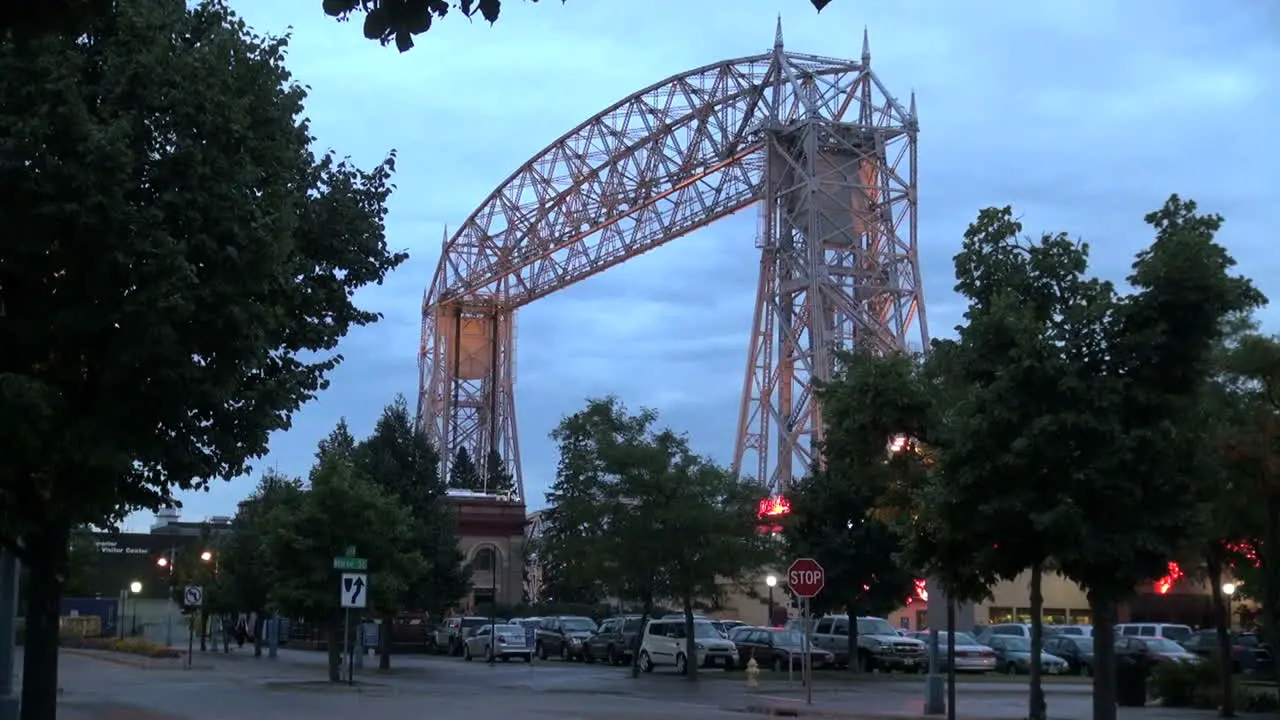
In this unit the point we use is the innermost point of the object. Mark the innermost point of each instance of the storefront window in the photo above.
(922, 619)
(1080, 617)
(1055, 616)
(998, 615)
(1023, 615)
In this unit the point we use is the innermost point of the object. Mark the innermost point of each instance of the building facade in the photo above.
(491, 536)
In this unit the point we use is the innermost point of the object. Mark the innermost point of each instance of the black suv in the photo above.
(613, 642)
(1248, 653)
(562, 636)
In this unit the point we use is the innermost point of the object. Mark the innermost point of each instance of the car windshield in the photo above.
(1084, 643)
(1177, 633)
(705, 629)
(474, 622)
(1164, 645)
(631, 625)
(788, 638)
(875, 626)
(577, 625)
(509, 630)
(1014, 643)
(962, 638)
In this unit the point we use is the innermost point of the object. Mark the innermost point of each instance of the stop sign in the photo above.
(806, 577)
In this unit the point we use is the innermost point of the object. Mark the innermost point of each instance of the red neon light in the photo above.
(921, 592)
(1246, 550)
(1166, 583)
(773, 507)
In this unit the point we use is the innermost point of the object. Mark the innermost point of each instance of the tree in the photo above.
(497, 479)
(400, 20)
(463, 473)
(340, 509)
(245, 574)
(82, 559)
(406, 467)
(178, 270)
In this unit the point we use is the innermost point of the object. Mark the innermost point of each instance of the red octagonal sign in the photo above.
(806, 577)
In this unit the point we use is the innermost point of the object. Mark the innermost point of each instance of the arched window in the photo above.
(484, 560)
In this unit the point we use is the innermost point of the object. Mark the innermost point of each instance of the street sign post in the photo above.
(192, 597)
(353, 592)
(806, 578)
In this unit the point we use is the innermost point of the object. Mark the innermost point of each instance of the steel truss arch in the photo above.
(656, 165)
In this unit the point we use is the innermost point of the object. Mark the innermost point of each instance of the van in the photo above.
(1169, 631)
(664, 644)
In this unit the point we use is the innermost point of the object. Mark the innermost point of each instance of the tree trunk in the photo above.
(690, 642)
(333, 644)
(1104, 656)
(386, 629)
(645, 611)
(1221, 623)
(1037, 708)
(259, 627)
(851, 641)
(1269, 555)
(46, 557)
(951, 659)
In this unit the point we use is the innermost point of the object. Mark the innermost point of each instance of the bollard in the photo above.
(753, 674)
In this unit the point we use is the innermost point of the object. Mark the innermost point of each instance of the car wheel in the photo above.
(646, 662)
(611, 656)
(541, 650)
(588, 656)
(682, 664)
(466, 653)
(778, 664)
(1011, 669)
(864, 662)
(564, 652)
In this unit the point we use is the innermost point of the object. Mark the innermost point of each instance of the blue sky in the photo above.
(1083, 114)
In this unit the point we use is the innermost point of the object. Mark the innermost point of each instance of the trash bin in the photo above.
(1131, 682)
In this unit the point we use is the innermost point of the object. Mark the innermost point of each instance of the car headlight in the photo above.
(575, 641)
(700, 646)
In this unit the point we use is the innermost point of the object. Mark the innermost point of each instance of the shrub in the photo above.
(130, 646)
(1199, 686)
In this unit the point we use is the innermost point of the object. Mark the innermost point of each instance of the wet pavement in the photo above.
(240, 687)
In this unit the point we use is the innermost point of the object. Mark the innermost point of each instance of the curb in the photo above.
(108, 656)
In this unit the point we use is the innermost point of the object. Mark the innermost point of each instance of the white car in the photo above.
(510, 642)
(665, 643)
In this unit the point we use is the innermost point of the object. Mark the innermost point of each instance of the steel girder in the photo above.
(663, 162)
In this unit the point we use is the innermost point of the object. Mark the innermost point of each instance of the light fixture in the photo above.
(771, 580)
(162, 562)
(1228, 589)
(135, 587)
(206, 556)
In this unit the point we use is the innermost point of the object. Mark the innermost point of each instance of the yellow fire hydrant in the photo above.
(753, 674)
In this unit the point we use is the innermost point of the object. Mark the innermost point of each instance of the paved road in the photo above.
(240, 687)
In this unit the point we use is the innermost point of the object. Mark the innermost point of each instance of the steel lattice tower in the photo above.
(819, 143)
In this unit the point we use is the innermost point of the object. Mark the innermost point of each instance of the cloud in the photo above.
(1083, 114)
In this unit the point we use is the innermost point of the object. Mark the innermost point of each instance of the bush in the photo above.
(130, 646)
(1199, 686)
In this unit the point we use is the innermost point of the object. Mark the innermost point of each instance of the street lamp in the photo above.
(162, 562)
(1228, 589)
(206, 556)
(772, 582)
(135, 587)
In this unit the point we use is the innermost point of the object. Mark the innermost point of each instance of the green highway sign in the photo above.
(350, 563)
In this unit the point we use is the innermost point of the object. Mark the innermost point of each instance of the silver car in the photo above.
(971, 656)
(497, 642)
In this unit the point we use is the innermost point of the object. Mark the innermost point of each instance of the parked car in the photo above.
(664, 643)
(880, 647)
(497, 642)
(1077, 650)
(1013, 656)
(1076, 630)
(1248, 653)
(776, 648)
(613, 641)
(726, 626)
(971, 655)
(1153, 650)
(563, 635)
(453, 631)
(1171, 631)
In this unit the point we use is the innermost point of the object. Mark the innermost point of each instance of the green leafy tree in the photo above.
(82, 560)
(405, 465)
(174, 279)
(498, 480)
(244, 574)
(340, 508)
(399, 21)
(463, 473)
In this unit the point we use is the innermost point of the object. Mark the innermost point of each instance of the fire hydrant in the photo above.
(753, 674)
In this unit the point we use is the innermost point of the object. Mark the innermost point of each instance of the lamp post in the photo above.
(1229, 589)
(772, 582)
(135, 588)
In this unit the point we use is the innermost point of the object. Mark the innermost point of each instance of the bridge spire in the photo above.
(866, 48)
(777, 34)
